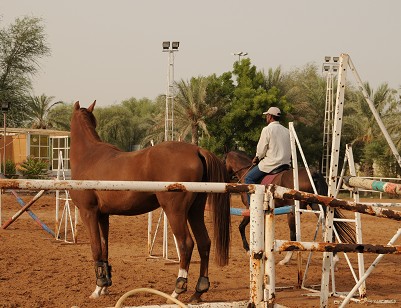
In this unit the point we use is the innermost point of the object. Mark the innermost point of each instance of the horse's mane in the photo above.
(89, 124)
(242, 156)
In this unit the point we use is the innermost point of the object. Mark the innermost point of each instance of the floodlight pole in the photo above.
(330, 66)
(4, 108)
(170, 47)
(240, 54)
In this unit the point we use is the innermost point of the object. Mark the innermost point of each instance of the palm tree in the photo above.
(367, 132)
(38, 108)
(192, 109)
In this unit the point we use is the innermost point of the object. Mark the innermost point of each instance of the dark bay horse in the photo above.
(238, 163)
(92, 159)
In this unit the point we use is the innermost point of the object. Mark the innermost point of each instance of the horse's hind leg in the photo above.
(197, 223)
(178, 223)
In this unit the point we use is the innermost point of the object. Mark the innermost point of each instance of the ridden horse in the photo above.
(238, 163)
(92, 159)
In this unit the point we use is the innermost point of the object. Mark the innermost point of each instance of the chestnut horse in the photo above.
(92, 159)
(238, 163)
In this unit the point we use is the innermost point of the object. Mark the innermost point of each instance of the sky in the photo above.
(110, 51)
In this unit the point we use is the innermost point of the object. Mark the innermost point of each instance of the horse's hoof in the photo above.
(174, 295)
(195, 298)
(98, 291)
(94, 295)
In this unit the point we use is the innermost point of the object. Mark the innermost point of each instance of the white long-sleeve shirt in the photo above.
(274, 147)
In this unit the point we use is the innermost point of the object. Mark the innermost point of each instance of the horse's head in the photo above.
(236, 162)
(83, 122)
(84, 114)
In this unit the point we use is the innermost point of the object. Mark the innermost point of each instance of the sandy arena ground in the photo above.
(38, 271)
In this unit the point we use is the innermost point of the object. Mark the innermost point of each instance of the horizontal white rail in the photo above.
(145, 186)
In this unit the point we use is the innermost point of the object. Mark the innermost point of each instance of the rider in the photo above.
(273, 149)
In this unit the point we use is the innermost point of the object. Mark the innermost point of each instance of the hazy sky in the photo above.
(111, 50)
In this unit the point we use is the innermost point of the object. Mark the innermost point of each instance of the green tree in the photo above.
(367, 138)
(60, 116)
(22, 45)
(114, 126)
(220, 92)
(38, 109)
(156, 123)
(142, 112)
(192, 109)
(244, 120)
(305, 91)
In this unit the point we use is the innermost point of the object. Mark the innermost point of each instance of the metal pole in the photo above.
(257, 247)
(4, 144)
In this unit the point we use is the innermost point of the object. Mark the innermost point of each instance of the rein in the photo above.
(239, 170)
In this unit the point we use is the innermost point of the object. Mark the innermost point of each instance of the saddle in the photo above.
(268, 179)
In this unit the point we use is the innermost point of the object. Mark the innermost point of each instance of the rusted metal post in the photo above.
(256, 242)
(270, 269)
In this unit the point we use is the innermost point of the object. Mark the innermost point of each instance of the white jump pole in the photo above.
(145, 186)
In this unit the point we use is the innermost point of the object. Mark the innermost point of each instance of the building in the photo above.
(45, 144)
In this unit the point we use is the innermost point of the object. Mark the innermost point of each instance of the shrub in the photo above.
(10, 169)
(33, 168)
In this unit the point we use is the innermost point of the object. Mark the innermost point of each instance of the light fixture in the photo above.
(166, 45)
(335, 59)
(5, 106)
(175, 45)
(240, 54)
(326, 68)
(327, 58)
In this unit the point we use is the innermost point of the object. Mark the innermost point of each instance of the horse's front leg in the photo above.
(102, 268)
(293, 237)
(245, 221)
(97, 226)
(242, 230)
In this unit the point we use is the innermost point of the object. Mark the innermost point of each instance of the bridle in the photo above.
(235, 173)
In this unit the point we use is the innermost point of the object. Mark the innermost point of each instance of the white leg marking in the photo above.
(174, 294)
(105, 291)
(182, 273)
(336, 258)
(286, 259)
(96, 293)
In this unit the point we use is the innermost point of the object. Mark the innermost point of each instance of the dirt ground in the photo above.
(38, 271)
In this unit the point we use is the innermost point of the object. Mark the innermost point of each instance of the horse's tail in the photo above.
(345, 230)
(219, 204)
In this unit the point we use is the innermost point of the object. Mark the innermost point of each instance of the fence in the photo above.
(262, 240)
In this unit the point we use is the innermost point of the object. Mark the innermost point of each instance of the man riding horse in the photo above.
(273, 152)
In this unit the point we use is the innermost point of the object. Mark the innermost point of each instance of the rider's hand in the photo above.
(255, 161)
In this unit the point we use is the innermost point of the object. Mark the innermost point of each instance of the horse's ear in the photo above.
(91, 107)
(76, 105)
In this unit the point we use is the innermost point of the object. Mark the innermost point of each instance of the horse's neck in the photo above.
(242, 173)
(83, 138)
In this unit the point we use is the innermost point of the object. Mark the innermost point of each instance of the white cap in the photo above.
(273, 111)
